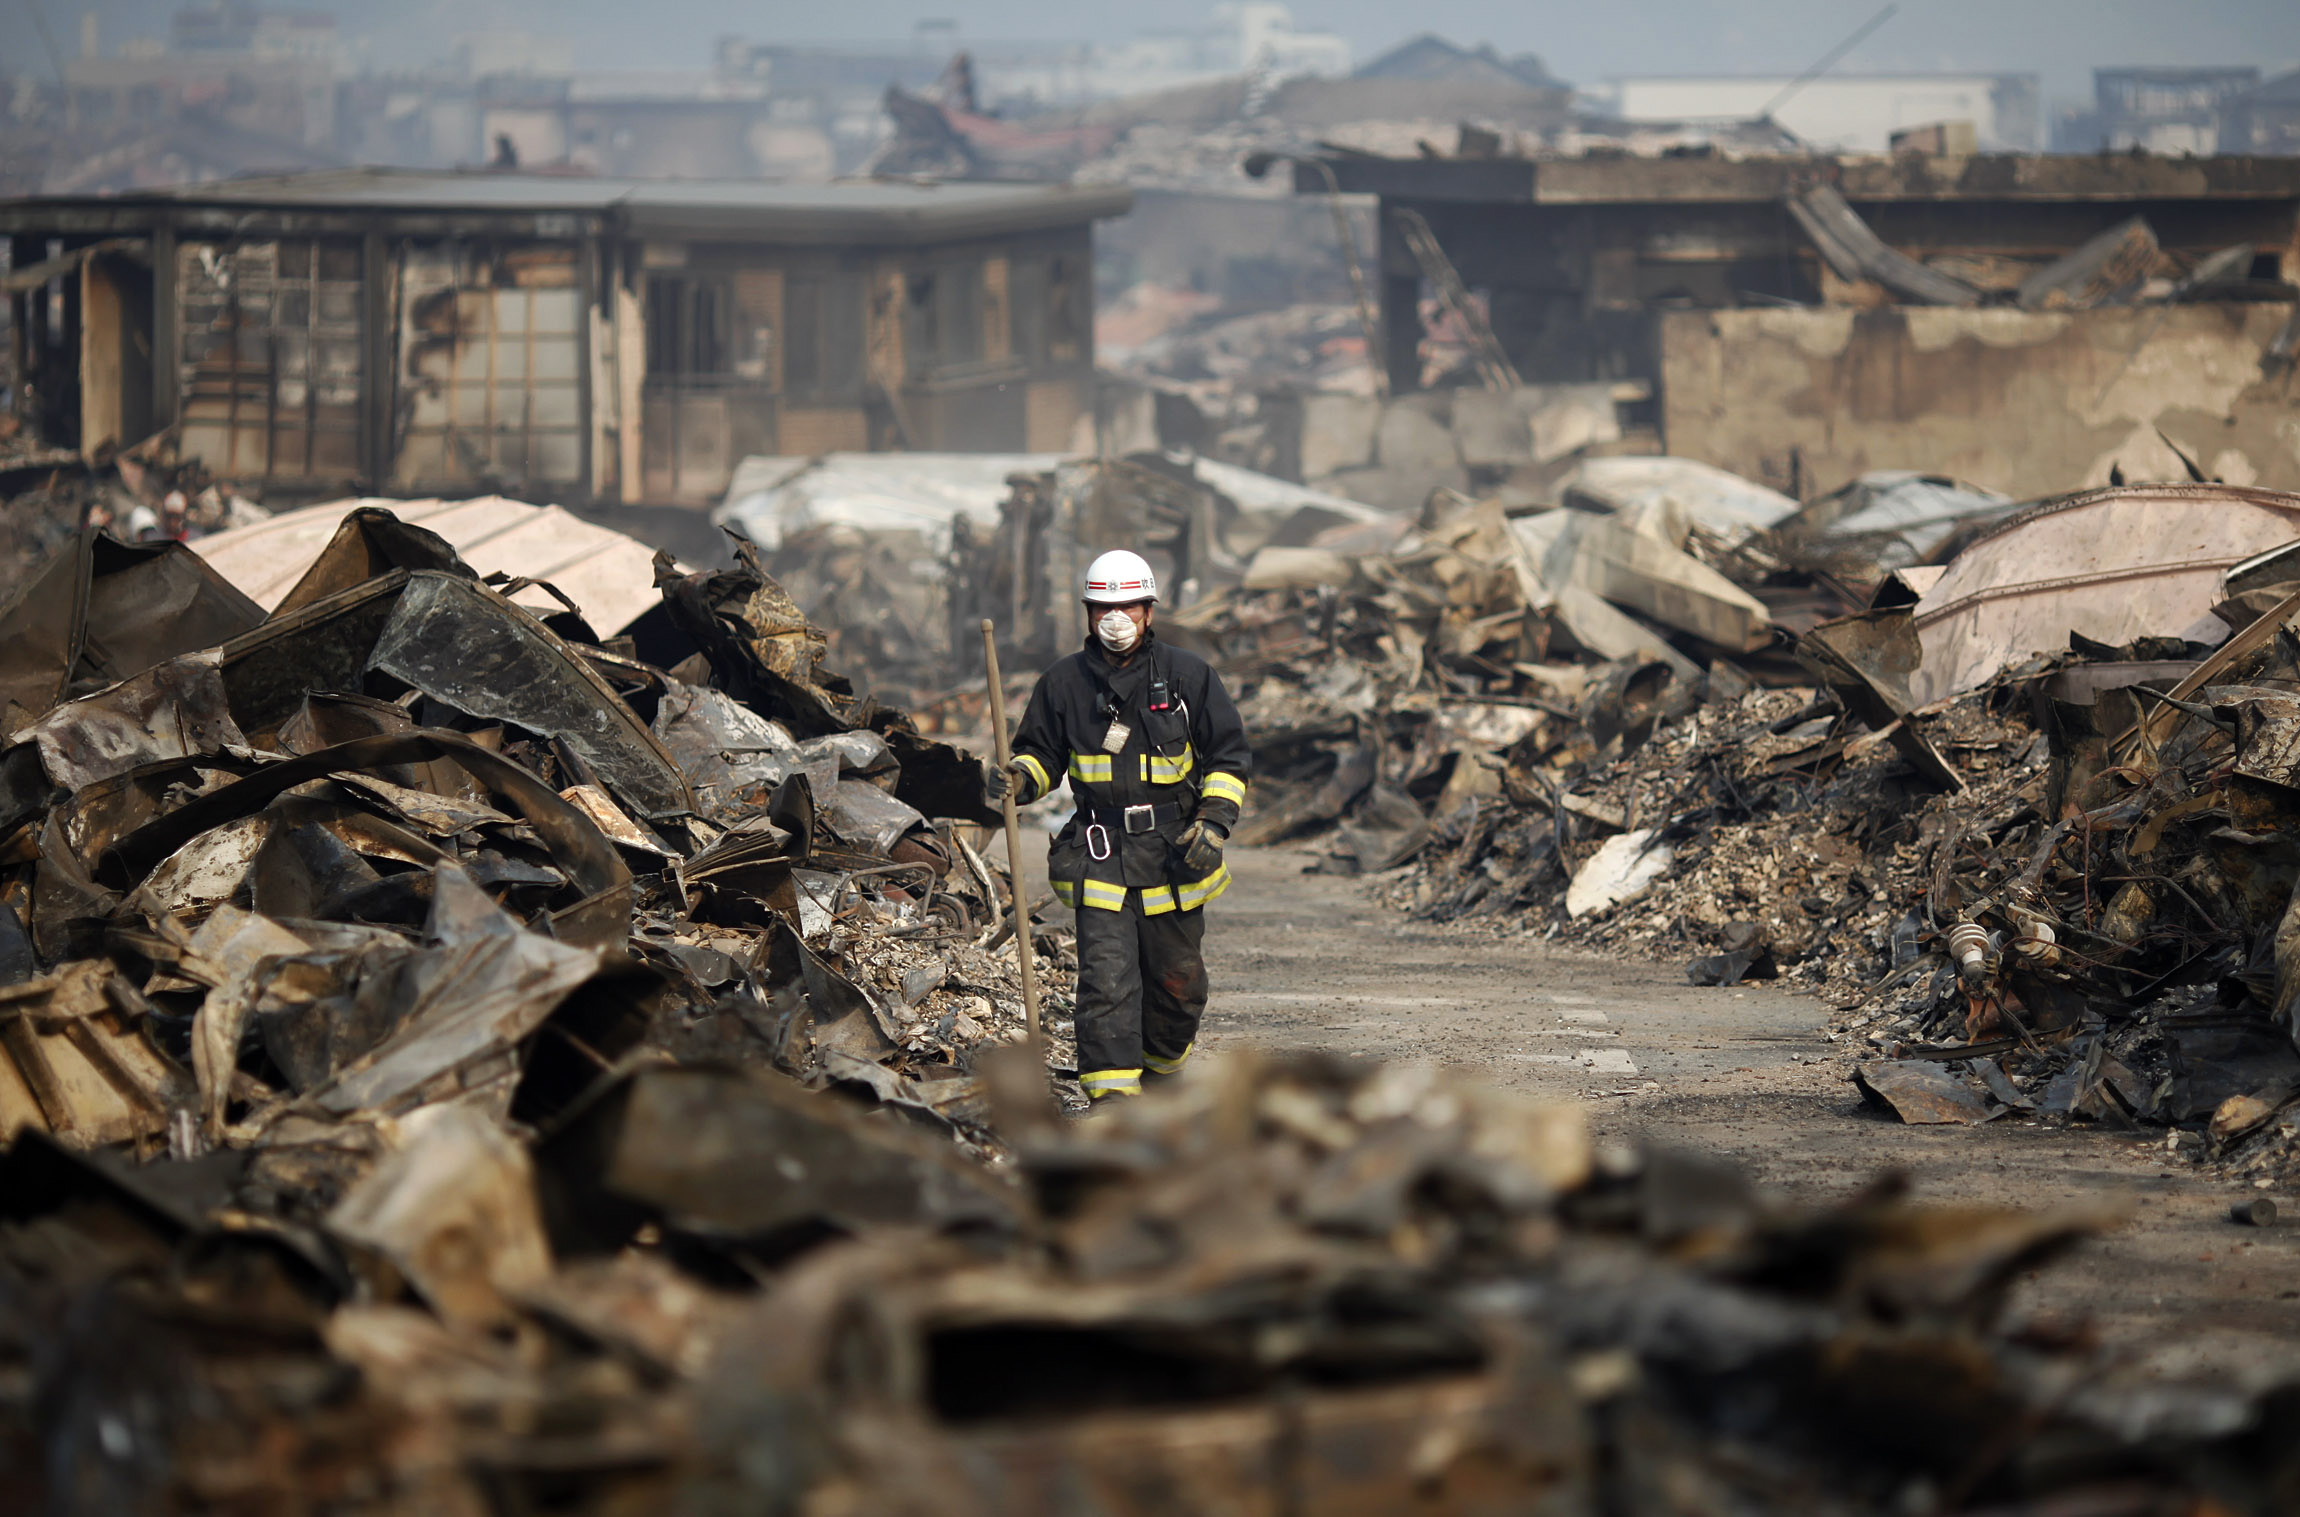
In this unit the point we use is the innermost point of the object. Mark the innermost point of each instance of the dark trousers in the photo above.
(1141, 986)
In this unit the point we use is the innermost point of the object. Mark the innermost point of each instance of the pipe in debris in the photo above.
(1022, 949)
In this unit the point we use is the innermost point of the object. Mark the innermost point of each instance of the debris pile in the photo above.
(1404, 673)
(456, 1063)
(402, 839)
(706, 1286)
(2115, 939)
(2038, 882)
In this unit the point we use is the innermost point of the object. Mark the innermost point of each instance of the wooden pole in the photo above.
(1013, 826)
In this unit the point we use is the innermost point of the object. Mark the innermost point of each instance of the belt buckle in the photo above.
(1148, 815)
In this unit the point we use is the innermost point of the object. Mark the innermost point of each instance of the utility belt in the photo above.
(1101, 821)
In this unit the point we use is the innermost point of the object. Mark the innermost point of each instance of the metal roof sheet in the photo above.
(610, 576)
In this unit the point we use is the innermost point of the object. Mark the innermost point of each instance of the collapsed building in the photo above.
(2024, 322)
(589, 339)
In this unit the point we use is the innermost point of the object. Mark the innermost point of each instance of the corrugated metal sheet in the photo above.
(2114, 565)
(609, 575)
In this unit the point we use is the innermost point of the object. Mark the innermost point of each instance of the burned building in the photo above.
(567, 337)
(1800, 320)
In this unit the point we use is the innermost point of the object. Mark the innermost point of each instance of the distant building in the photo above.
(1431, 57)
(2264, 120)
(239, 66)
(220, 30)
(2157, 110)
(1242, 36)
(1842, 113)
(566, 337)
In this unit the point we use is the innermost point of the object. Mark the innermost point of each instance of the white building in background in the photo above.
(1240, 36)
(1265, 38)
(1846, 113)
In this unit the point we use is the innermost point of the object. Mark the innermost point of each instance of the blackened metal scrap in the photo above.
(104, 610)
(761, 645)
(751, 1155)
(172, 710)
(1920, 1092)
(479, 987)
(369, 543)
(462, 644)
(272, 671)
(598, 874)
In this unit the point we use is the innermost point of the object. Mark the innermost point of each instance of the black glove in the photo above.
(1201, 845)
(998, 779)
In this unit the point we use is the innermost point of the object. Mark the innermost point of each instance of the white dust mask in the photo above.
(1117, 631)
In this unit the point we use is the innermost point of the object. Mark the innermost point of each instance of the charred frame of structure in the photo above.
(601, 339)
(1582, 257)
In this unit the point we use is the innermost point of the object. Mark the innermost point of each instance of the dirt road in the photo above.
(1309, 960)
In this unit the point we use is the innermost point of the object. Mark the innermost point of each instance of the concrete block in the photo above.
(1337, 432)
(1417, 433)
(1490, 428)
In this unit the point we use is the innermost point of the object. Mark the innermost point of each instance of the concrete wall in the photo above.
(2026, 403)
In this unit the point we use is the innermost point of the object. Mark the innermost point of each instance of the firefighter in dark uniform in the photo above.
(1157, 760)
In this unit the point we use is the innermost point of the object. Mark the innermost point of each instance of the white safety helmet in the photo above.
(1120, 578)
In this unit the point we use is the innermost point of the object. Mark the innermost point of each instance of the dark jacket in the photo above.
(1190, 761)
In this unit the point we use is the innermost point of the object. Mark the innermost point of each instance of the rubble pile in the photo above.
(459, 1061)
(1767, 834)
(703, 1287)
(2064, 889)
(403, 839)
(2115, 941)
(1404, 674)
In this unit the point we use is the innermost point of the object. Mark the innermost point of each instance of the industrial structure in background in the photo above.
(586, 338)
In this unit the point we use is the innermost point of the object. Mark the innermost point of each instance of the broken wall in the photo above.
(2026, 403)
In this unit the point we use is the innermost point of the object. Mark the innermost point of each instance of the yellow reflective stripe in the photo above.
(1225, 787)
(1111, 1082)
(1093, 768)
(1104, 896)
(1157, 769)
(1158, 1066)
(1037, 772)
(1198, 893)
(1157, 900)
(1066, 893)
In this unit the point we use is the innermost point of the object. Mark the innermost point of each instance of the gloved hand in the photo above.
(1201, 845)
(998, 779)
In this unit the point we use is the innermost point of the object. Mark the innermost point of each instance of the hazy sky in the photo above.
(1581, 41)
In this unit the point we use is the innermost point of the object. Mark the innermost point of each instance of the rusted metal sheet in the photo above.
(1923, 1093)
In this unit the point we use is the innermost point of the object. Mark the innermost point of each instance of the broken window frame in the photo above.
(825, 334)
(943, 335)
(285, 314)
(510, 404)
(691, 337)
